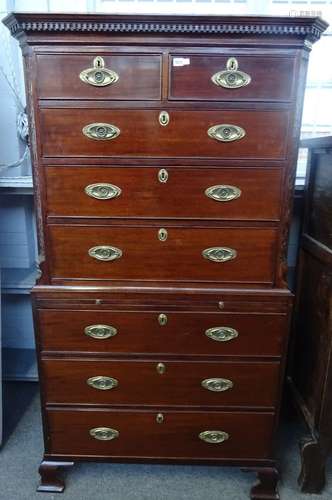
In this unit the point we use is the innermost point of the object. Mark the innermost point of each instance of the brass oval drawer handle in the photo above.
(102, 191)
(219, 254)
(105, 253)
(104, 433)
(217, 384)
(101, 131)
(214, 437)
(223, 192)
(231, 77)
(221, 333)
(226, 132)
(102, 383)
(100, 331)
(99, 76)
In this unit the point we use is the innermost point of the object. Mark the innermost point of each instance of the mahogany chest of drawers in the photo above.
(164, 158)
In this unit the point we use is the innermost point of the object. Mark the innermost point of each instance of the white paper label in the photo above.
(181, 61)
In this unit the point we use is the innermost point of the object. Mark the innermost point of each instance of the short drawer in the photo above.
(170, 332)
(149, 192)
(99, 76)
(160, 382)
(132, 133)
(168, 253)
(231, 77)
(170, 434)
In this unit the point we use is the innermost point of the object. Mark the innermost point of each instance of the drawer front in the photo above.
(231, 78)
(177, 436)
(185, 333)
(138, 133)
(111, 76)
(243, 193)
(172, 253)
(160, 382)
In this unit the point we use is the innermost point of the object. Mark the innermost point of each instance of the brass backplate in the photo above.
(219, 254)
(102, 383)
(102, 191)
(100, 331)
(98, 75)
(231, 77)
(221, 333)
(104, 433)
(213, 437)
(226, 132)
(217, 384)
(223, 192)
(101, 131)
(105, 253)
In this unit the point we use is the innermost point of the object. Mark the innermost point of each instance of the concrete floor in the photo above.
(22, 452)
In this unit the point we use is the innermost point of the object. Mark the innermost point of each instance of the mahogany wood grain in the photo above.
(182, 196)
(177, 437)
(142, 136)
(140, 332)
(139, 76)
(318, 223)
(193, 80)
(197, 297)
(49, 476)
(140, 383)
(267, 485)
(177, 258)
(169, 276)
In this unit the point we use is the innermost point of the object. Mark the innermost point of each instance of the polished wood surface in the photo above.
(139, 382)
(164, 63)
(184, 333)
(178, 258)
(319, 210)
(142, 135)
(139, 76)
(181, 196)
(310, 373)
(177, 437)
(193, 80)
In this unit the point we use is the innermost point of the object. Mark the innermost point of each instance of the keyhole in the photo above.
(162, 175)
(162, 234)
(160, 418)
(232, 64)
(163, 118)
(98, 62)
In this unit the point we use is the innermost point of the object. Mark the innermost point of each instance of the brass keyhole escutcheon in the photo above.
(162, 319)
(232, 64)
(163, 118)
(162, 234)
(159, 418)
(163, 175)
(161, 368)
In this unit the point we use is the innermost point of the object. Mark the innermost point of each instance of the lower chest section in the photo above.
(171, 375)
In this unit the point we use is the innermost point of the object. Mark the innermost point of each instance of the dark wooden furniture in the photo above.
(164, 162)
(311, 370)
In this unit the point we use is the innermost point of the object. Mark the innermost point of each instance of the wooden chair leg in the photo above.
(50, 482)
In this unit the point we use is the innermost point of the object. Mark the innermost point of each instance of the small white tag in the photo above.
(181, 61)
